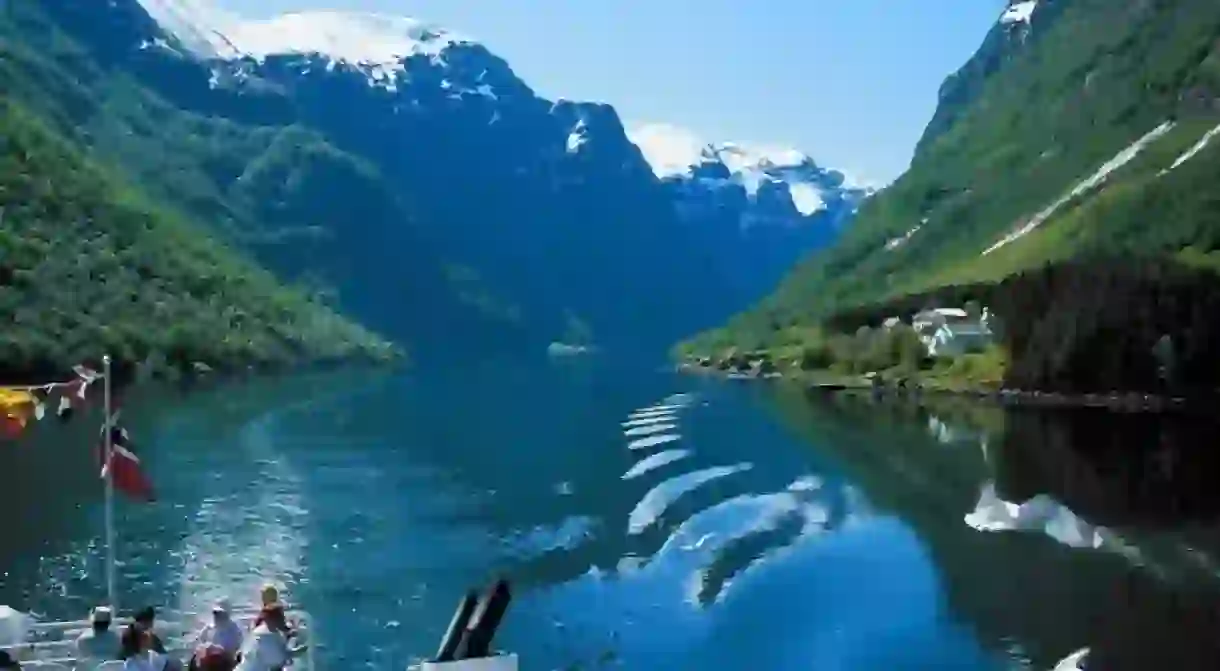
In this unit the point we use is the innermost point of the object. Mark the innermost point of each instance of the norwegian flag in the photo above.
(128, 476)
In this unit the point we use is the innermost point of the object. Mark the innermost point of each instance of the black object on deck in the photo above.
(474, 625)
(485, 621)
(457, 627)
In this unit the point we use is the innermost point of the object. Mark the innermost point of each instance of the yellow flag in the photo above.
(16, 405)
(12, 399)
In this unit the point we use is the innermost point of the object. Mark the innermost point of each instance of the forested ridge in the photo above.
(90, 266)
(94, 259)
(1093, 123)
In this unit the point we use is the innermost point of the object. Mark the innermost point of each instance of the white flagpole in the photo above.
(111, 597)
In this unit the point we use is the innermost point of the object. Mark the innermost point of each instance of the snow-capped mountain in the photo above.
(548, 202)
(763, 205)
(758, 185)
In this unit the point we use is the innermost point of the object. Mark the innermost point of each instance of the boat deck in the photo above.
(52, 645)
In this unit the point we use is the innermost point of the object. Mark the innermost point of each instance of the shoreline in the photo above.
(831, 383)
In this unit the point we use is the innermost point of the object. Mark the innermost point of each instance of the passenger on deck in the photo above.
(222, 631)
(137, 651)
(144, 621)
(100, 643)
(267, 647)
(270, 597)
(7, 662)
(212, 658)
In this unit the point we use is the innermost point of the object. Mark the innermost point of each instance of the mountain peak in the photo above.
(674, 151)
(677, 153)
(367, 39)
(746, 157)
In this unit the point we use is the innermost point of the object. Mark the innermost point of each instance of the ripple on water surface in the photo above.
(632, 532)
(655, 461)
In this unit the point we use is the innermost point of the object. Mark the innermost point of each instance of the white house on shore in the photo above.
(951, 331)
(957, 339)
(928, 321)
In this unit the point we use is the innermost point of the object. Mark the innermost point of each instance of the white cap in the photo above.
(221, 606)
(101, 614)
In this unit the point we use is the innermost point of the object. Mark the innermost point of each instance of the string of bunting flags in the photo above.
(20, 404)
(119, 465)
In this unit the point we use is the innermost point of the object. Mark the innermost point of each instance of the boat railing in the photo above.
(52, 645)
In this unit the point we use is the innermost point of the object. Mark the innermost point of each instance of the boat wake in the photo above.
(249, 531)
(711, 522)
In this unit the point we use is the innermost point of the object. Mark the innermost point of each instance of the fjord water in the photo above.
(649, 521)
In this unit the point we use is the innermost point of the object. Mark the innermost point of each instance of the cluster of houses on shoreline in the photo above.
(945, 332)
(950, 331)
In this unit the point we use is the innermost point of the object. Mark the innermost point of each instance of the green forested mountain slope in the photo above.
(412, 209)
(93, 261)
(89, 265)
(1039, 110)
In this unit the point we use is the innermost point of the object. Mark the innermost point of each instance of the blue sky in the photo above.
(850, 82)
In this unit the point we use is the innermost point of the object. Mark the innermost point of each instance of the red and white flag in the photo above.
(128, 476)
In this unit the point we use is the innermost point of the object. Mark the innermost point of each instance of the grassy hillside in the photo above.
(89, 265)
(1037, 112)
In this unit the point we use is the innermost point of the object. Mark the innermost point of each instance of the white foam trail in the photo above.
(806, 483)
(653, 419)
(667, 415)
(654, 503)
(654, 462)
(729, 520)
(653, 409)
(649, 429)
(251, 535)
(652, 441)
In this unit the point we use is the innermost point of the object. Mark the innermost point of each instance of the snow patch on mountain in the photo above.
(670, 150)
(806, 199)
(198, 25)
(1020, 12)
(363, 39)
(1086, 185)
(376, 42)
(676, 153)
(577, 137)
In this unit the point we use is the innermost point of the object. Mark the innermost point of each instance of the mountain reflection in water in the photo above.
(1041, 513)
(1053, 530)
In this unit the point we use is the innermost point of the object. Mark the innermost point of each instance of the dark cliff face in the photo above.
(450, 202)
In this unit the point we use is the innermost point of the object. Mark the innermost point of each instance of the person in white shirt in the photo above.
(267, 647)
(222, 631)
(100, 643)
(138, 653)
